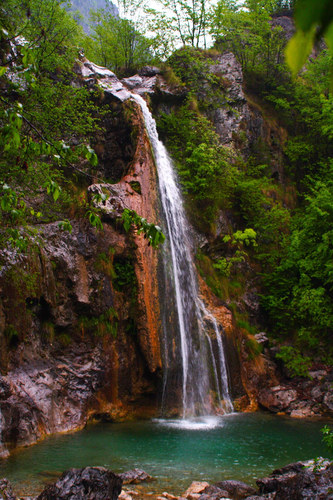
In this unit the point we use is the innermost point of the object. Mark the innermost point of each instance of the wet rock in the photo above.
(93, 483)
(276, 398)
(305, 412)
(167, 495)
(236, 489)
(195, 489)
(318, 374)
(312, 480)
(124, 495)
(213, 493)
(133, 81)
(317, 393)
(93, 74)
(134, 476)
(50, 396)
(262, 339)
(269, 496)
(114, 204)
(140, 84)
(303, 409)
(6, 491)
(328, 400)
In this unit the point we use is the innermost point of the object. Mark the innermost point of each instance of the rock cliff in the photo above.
(79, 313)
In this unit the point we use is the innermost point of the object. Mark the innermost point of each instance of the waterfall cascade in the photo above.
(203, 379)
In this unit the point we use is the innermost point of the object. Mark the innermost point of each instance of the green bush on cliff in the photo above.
(299, 296)
(297, 364)
(203, 164)
(46, 121)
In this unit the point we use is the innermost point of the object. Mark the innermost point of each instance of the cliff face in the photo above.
(79, 315)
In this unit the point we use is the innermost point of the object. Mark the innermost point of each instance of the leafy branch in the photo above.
(153, 233)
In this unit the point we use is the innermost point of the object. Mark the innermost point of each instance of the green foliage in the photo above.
(297, 364)
(104, 263)
(192, 67)
(225, 265)
(65, 225)
(102, 325)
(150, 231)
(248, 33)
(327, 433)
(116, 43)
(240, 238)
(11, 334)
(202, 162)
(209, 274)
(253, 348)
(124, 276)
(186, 22)
(300, 288)
(43, 118)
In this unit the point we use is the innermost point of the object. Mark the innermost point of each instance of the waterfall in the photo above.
(203, 373)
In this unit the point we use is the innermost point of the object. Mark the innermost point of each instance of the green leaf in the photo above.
(299, 49)
(3, 70)
(56, 194)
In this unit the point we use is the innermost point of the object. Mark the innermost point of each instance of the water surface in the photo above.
(175, 452)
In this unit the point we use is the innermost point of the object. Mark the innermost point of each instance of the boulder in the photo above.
(301, 480)
(93, 483)
(115, 196)
(106, 79)
(236, 489)
(213, 493)
(141, 84)
(195, 489)
(328, 400)
(6, 491)
(276, 398)
(134, 476)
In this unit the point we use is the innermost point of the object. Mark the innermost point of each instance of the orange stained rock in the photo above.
(221, 313)
(145, 203)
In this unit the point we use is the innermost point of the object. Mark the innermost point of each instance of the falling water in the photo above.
(190, 341)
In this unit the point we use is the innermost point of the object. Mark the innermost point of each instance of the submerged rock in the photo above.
(93, 483)
(134, 476)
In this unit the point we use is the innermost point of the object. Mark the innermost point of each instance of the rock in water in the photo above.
(213, 493)
(6, 492)
(90, 483)
(134, 476)
(195, 490)
(236, 489)
(312, 480)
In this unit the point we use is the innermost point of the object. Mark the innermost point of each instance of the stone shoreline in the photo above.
(312, 480)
